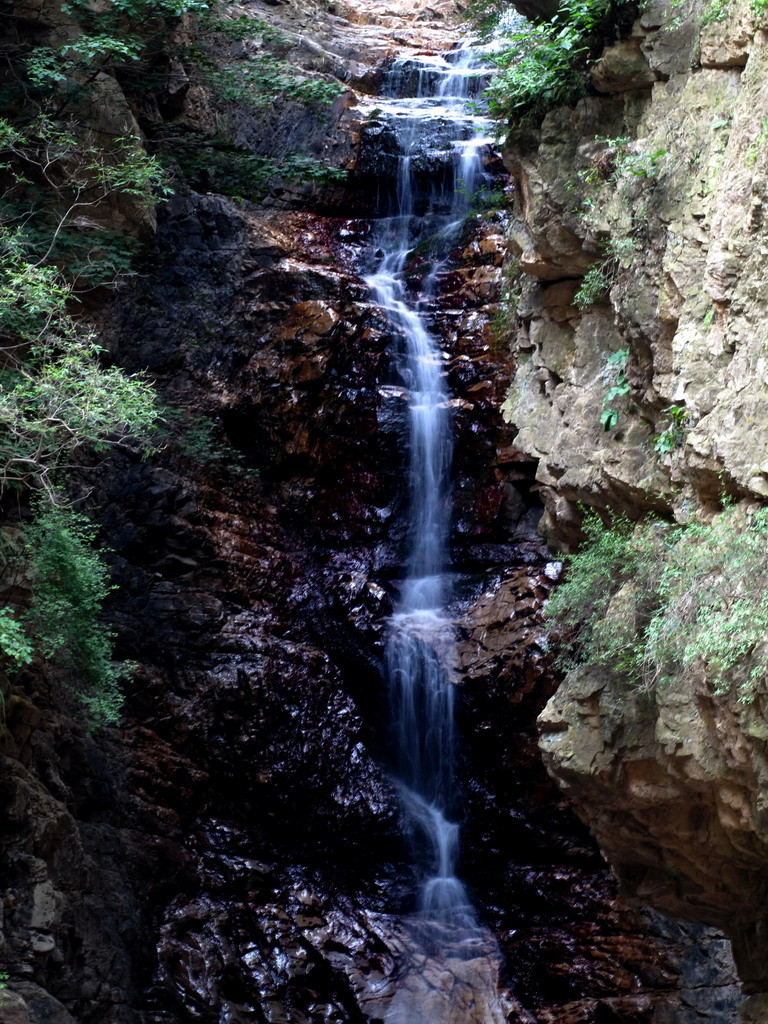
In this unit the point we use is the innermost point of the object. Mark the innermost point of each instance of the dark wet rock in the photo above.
(421, 76)
(577, 951)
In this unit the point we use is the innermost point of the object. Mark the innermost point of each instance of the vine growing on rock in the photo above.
(616, 375)
(652, 601)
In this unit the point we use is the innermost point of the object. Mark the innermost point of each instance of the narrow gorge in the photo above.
(351, 781)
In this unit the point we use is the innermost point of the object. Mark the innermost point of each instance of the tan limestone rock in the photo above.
(622, 66)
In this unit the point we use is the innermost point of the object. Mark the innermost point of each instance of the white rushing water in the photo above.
(449, 972)
(434, 128)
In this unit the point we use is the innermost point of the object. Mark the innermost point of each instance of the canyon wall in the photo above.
(233, 852)
(659, 180)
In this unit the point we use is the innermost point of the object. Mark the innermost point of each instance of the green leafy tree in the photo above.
(55, 394)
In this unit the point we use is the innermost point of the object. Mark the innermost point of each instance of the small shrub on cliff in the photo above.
(595, 284)
(712, 595)
(616, 374)
(544, 65)
(212, 164)
(598, 279)
(615, 554)
(650, 601)
(204, 441)
(15, 646)
(506, 316)
(672, 436)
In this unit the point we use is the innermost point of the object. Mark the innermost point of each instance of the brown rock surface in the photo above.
(685, 200)
(668, 161)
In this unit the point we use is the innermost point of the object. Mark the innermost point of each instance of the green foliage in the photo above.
(210, 164)
(714, 611)
(258, 77)
(615, 182)
(58, 397)
(58, 176)
(511, 292)
(716, 10)
(296, 167)
(544, 65)
(616, 365)
(614, 555)
(55, 394)
(616, 185)
(15, 646)
(488, 17)
(63, 174)
(47, 67)
(633, 163)
(32, 297)
(600, 276)
(596, 283)
(651, 601)
(70, 585)
(672, 436)
(89, 258)
(121, 18)
(137, 11)
(265, 79)
(204, 442)
(617, 171)
(116, 37)
(623, 250)
(237, 30)
(65, 401)
(483, 199)
(63, 157)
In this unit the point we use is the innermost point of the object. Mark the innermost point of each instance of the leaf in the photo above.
(609, 418)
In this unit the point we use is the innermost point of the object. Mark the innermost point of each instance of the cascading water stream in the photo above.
(428, 209)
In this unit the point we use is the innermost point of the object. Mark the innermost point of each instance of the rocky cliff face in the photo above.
(233, 852)
(659, 181)
(668, 159)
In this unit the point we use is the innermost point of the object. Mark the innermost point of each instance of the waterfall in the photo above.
(439, 169)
